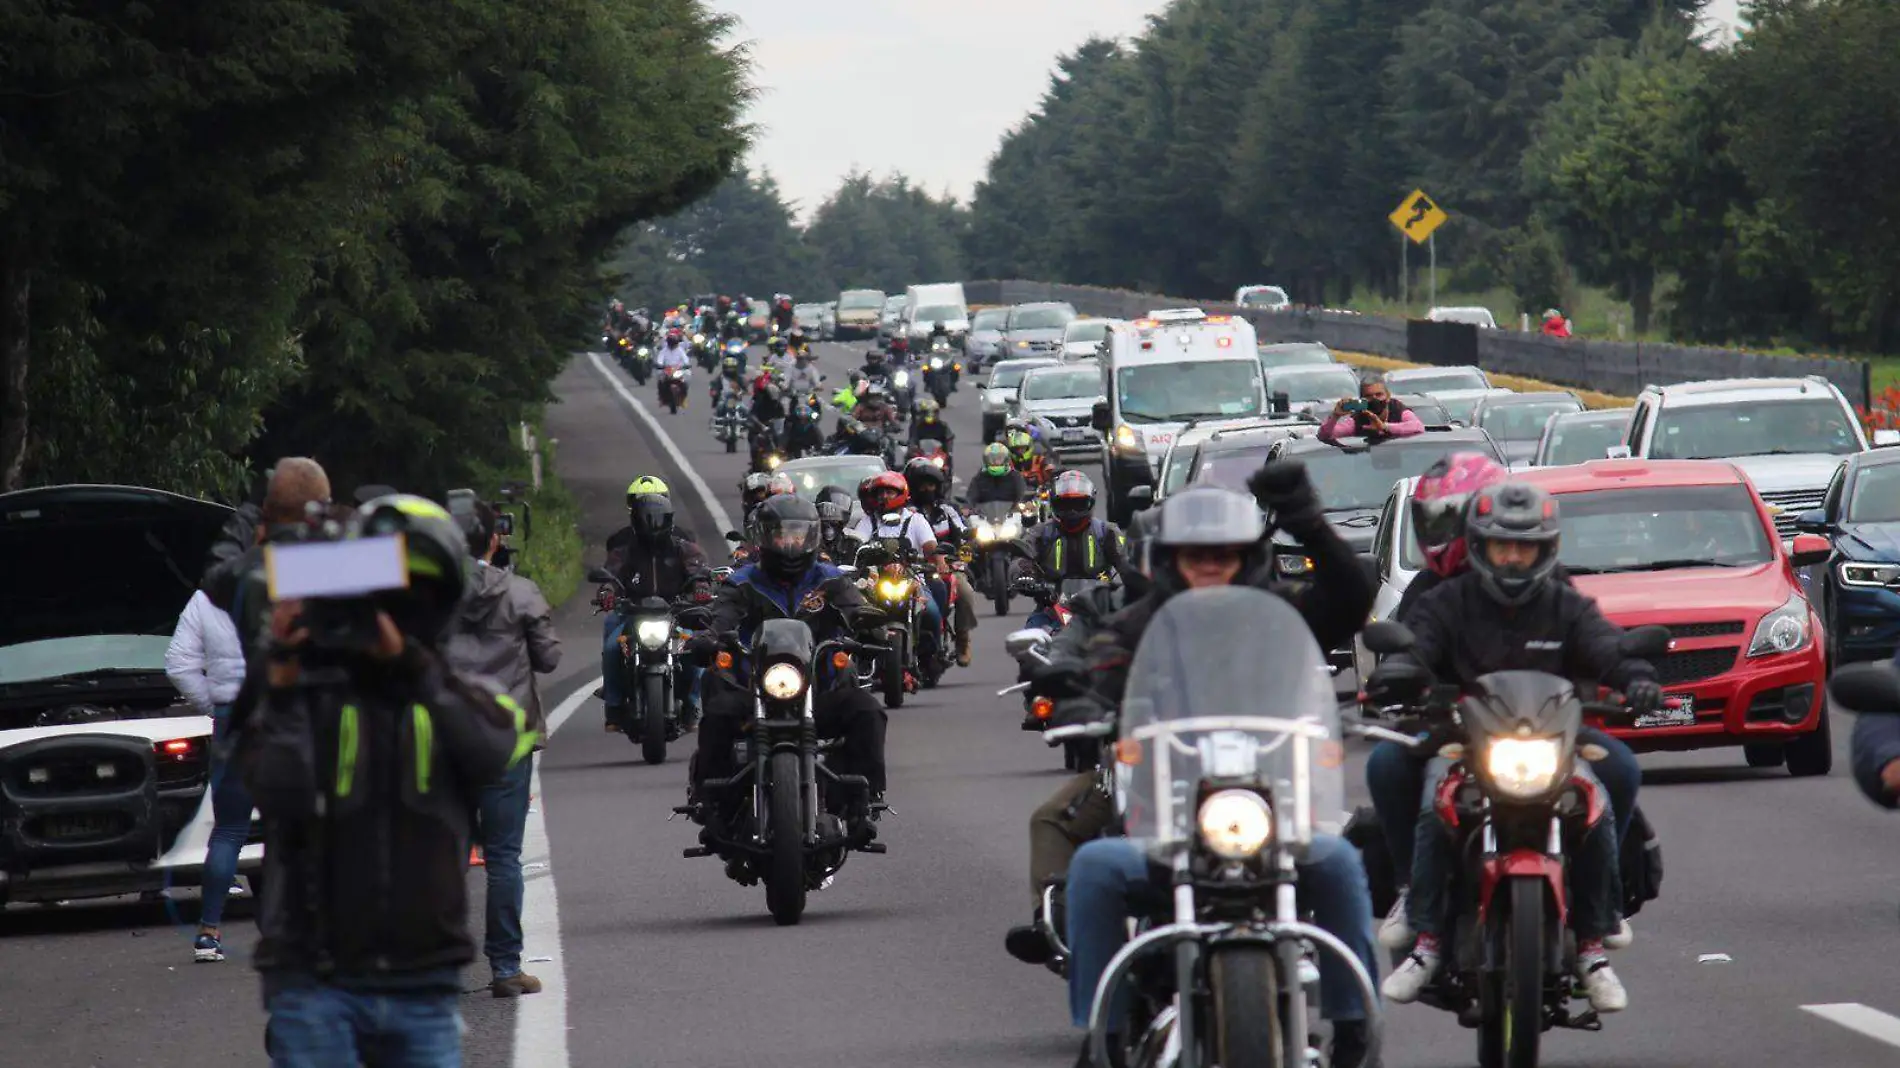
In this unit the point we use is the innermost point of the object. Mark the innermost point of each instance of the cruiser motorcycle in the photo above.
(654, 674)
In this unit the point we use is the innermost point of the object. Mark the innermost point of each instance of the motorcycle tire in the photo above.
(1082, 754)
(732, 444)
(1244, 983)
(999, 584)
(653, 702)
(891, 677)
(785, 871)
(1512, 1025)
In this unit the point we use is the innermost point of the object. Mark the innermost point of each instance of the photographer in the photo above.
(504, 633)
(1374, 415)
(366, 756)
(237, 573)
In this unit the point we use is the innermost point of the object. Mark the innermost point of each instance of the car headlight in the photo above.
(1022, 344)
(1854, 574)
(1784, 630)
(1129, 439)
(1012, 528)
(1522, 767)
(1291, 565)
(783, 681)
(901, 378)
(1235, 824)
(893, 589)
(652, 633)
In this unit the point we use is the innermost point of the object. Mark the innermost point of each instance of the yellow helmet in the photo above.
(644, 485)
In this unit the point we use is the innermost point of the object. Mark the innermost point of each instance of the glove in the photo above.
(701, 646)
(1059, 680)
(1643, 696)
(1282, 488)
(867, 616)
(1396, 682)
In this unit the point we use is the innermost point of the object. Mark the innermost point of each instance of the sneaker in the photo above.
(1395, 932)
(1600, 983)
(1412, 975)
(515, 985)
(206, 948)
(1621, 938)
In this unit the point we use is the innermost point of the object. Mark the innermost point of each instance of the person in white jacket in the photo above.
(206, 662)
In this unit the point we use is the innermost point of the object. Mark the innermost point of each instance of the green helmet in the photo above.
(1020, 443)
(996, 458)
(436, 552)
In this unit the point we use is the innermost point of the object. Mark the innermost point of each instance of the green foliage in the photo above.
(551, 555)
(886, 235)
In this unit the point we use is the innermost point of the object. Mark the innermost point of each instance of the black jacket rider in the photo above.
(1011, 488)
(934, 429)
(665, 574)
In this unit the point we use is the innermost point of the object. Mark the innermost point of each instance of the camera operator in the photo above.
(1374, 415)
(237, 572)
(505, 633)
(366, 757)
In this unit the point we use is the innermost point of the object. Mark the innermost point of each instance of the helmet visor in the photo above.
(791, 536)
(651, 515)
(1441, 520)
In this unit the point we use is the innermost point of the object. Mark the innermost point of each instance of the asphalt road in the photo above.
(667, 963)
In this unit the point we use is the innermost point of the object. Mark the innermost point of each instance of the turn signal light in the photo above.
(1042, 708)
(1128, 751)
(723, 661)
(841, 659)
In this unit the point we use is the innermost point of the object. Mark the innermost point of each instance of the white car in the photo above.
(1271, 298)
(1399, 560)
(104, 769)
(1476, 316)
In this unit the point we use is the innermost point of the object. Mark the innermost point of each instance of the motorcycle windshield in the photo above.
(1228, 688)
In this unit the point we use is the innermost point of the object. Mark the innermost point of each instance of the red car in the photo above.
(1690, 545)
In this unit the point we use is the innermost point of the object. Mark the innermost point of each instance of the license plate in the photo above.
(1074, 433)
(78, 825)
(1682, 716)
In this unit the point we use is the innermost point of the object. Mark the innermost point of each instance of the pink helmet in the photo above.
(1438, 507)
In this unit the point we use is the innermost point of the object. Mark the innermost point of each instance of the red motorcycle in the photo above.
(673, 388)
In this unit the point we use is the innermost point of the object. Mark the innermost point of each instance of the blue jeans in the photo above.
(613, 665)
(321, 1026)
(501, 820)
(1108, 873)
(1395, 776)
(231, 825)
(931, 617)
(1044, 618)
(1595, 883)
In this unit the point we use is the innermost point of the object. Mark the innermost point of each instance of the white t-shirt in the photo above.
(908, 525)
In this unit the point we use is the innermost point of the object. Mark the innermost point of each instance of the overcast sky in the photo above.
(927, 87)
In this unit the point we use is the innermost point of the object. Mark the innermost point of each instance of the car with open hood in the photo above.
(104, 769)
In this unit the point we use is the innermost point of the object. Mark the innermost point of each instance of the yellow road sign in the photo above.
(1417, 216)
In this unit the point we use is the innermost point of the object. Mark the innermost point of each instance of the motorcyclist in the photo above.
(732, 325)
(1027, 453)
(875, 409)
(1073, 545)
(650, 558)
(874, 366)
(929, 487)
(1508, 612)
(789, 581)
(731, 384)
(782, 313)
(803, 377)
(845, 399)
(1555, 325)
(832, 517)
(856, 439)
(885, 499)
(757, 488)
(999, 480)
(796, 342)
(673, 351)
(1210, 536)
(1395, 774)
(930, 424)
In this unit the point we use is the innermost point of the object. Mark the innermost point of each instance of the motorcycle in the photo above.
(776, 820)
(623, 351)
(993, 526)
(730, 420)
(903, 391)
(940, 372)
(804, 435)
(735, 349)
(764, 440)
(640, 365)
(891, 585)
(705, 352)
(675, 383)
(655, 634)
(1226, 770)
(1513, 804)
(1030, 648)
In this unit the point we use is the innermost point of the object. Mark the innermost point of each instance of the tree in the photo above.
(740, 239)
(886, 235)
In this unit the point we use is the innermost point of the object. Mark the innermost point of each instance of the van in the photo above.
(939, 302)
(1158, 376)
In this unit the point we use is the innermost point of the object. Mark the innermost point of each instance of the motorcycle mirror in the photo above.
(1140, 497)
(1871, 688)
(1021, 641)
(734, 537)
(599, 574)
(1646, 642)
(1388, 636)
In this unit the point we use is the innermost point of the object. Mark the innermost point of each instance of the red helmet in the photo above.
(900, 343)
(1073, 501)
(882, 493)
(675, 334)
(1438, 507)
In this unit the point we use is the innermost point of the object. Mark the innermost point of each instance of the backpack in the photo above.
(1641, 863)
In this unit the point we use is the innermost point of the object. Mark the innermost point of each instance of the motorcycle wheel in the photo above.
(785, 877)
(1245, 984)
(891, 675)
(653, 719)
(1512, 1027)
(732, 444)
(999, 584)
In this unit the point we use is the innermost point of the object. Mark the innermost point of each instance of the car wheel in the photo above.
(1812, 753)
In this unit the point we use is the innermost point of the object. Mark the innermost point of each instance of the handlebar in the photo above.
(1058, 735)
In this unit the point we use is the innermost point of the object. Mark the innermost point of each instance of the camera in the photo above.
(338, 579)
(462, 502)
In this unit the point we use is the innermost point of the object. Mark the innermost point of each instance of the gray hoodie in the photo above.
(505, 633)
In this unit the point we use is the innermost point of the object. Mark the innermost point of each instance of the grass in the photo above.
(552, 555)
(1594, 312)
(1522, 385)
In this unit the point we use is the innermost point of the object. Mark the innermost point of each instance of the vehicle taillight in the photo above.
(176, 749)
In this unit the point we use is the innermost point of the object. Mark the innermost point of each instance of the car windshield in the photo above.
(1040, 318)
(1188, 389)
(1661, 529)
(1524, 420)
(856, 301)
(943, 313)
(845, 474)
(1348, 479)
(1459, 409)
(1436, 383)
(1430, 412)
(1180, 465)
(1229, 468)
(1284, 355)
(54, 658)
(1318, 384)
(894, 304)
(1087, 330)
(1573, 441)
(1876, 495)
(1062, 385)
(1010, 375)
(990, 319)
(1753, 428)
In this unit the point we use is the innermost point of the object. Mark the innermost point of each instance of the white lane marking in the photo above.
(666, 442)
(1856, 1017)
(541, 1019)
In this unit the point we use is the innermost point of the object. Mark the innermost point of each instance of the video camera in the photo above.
(338, 578)
(461, 504)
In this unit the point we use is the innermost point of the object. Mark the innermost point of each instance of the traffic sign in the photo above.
(1417, 217)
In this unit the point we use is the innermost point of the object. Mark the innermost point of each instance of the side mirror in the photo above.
(1388, 636)
(1279, 404)
(1886, 438)
(1617, 452)
(1813, 521)
(1647, 643)
(734, 537)
(1098, 416)
(1809, 549)
(599, 574)
(1870, 688)
(1140, 497)
(1021, 641)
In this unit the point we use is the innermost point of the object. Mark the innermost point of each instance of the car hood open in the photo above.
(84, 560)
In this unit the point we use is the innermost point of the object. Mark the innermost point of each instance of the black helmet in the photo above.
(1512, 511)
(436, 550)
(920, 474)
(1208, 515)
(788, 536)
(874, 356)
(649, 509)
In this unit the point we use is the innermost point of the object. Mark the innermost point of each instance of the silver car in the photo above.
(1057, 401)
(999, 393)
(891, 320)
(1581, 436)
(1037, 329)
(985, 343)
(1083, 339)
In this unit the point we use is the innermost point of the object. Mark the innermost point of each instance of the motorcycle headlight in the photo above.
(984, 532)
(936, 364)
(1784, 630)
(644, 351)
(901, 378)
(1236, 824)
(893, 589)
(1012, 528)
(783, 681)
(1523, 767)
(652, 633)
(773, 461)
(699, 339)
